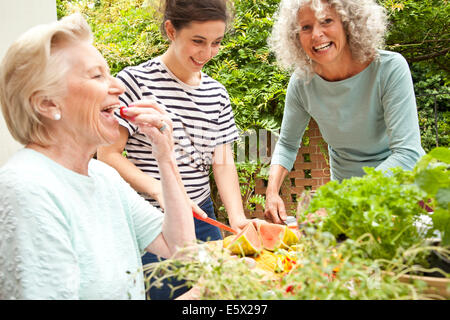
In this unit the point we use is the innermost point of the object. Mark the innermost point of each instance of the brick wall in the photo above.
(311, 170)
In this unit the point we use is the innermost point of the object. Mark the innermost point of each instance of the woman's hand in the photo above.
(241, 223)
(197, 209)
(155, 123)
(238, 223)
(275, 210)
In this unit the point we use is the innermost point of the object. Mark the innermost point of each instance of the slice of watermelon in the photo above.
(246, 242)
(275, 236)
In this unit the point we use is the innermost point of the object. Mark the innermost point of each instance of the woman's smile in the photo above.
(323, 47)
(108, 112)
(199, 63)
(324, 40)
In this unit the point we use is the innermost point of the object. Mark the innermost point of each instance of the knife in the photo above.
(213, 222)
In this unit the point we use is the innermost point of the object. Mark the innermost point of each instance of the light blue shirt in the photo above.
(369, 119)
(68, 236)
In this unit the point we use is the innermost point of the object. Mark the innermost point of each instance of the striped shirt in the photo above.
(202, 119)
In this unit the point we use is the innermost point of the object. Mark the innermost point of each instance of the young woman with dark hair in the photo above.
(199, 107)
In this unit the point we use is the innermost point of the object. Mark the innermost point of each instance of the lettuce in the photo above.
(388, 207)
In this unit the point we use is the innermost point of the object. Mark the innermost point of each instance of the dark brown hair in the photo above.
(183, 12)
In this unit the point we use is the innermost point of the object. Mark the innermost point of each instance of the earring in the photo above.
(57, 116)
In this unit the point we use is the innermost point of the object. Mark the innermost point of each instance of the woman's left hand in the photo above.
(155, 123)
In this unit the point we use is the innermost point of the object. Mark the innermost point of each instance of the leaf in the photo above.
(383, 206)
(441, 221)
(443, 198)
(441, 154)
(428, 180)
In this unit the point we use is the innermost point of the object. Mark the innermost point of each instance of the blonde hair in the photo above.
(32, 71)
(364, 22)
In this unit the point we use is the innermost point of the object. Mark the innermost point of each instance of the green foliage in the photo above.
(60, 9)
(387, 207)
(322, 271)
(432, 175)
(420, 31)
(248, 172)
(247, 69)
(390, 207)
(432, 105)
(126, 31)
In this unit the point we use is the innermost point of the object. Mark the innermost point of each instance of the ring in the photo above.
(163, 127)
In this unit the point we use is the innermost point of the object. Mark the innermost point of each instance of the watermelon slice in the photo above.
(246, 242)
(275, 236)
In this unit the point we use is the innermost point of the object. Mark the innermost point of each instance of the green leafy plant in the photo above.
(432, 175)
(387, 207)
(248, 173)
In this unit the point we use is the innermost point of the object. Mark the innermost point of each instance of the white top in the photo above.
(68, 236)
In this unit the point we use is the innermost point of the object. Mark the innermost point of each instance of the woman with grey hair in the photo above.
(70, 226)
(361, 96)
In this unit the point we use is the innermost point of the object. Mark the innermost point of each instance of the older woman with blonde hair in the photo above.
(70, 226)
(361, 96)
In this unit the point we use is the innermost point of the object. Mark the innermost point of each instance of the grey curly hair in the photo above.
(364, 21)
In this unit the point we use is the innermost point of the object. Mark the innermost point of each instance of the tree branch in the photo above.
(442, 66)
(418, 43)
(429, 56)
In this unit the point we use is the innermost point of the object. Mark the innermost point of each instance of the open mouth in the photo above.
(197, 62)
(323, 47)
(109, 110)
